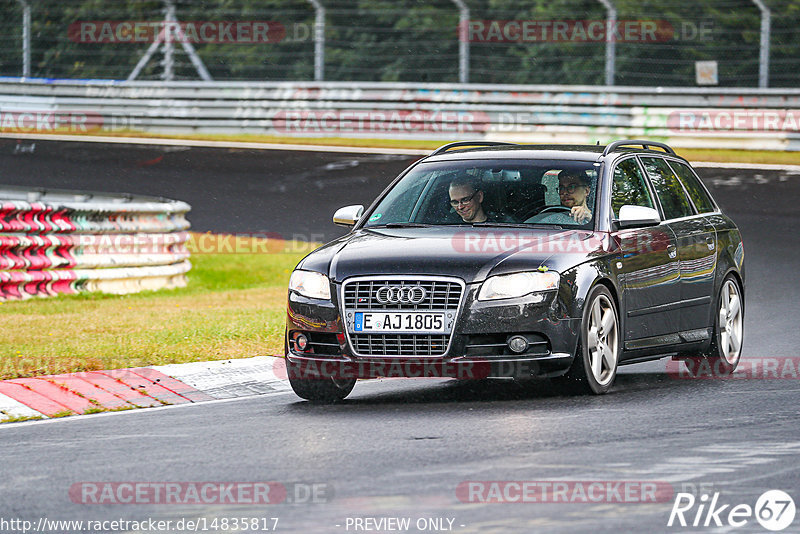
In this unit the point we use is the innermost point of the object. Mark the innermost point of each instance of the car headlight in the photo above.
(517, 285)
(310, 284)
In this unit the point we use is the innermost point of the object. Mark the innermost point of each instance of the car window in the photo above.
(507, 191)
(400, 202)
(629, 187)
(670, 192)
(696, 191)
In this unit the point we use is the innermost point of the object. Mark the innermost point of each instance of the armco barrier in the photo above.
(684, 117)
(54, 241)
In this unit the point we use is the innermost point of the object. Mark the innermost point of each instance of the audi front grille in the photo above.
(428, 295)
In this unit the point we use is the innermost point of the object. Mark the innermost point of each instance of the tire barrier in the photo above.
(740, 118)
(56, 241)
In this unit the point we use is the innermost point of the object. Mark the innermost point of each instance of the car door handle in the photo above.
(710, 243)
(672, 251)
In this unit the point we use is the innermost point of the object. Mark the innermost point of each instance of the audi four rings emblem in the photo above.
(400, 294)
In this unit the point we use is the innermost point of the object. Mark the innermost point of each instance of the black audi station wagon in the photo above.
(491, 259)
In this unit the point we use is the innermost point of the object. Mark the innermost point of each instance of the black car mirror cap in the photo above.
(348, 215)
(633, 216)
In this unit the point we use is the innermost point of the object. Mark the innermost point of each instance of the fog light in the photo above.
(301, 342)
(518, 344)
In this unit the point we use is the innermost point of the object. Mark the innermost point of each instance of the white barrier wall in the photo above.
(757, 119)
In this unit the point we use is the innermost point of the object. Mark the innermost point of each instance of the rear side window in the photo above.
(629, 187)
(668, 188)
(693, 186)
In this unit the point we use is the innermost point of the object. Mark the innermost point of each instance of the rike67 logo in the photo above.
(774, 510)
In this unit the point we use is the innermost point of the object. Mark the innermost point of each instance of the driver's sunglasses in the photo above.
(569, 188)
(465, 200)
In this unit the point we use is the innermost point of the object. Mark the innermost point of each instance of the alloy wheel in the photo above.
(603, 340)
(730, 322)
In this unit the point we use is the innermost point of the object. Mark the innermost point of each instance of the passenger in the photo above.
(573, 189)
(466, 198)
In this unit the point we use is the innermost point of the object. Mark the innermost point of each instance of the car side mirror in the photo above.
(348, 215)
(631, 216)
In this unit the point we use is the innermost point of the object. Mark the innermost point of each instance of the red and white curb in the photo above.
(140, 387)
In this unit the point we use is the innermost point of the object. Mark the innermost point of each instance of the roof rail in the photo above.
(644, 144)
(448, 146)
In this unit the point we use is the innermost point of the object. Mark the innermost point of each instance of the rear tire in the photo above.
(594, 367)
(725, 351)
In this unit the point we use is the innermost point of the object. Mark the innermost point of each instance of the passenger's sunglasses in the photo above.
(465, 200)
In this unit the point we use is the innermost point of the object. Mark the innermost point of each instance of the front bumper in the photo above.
(477, 349)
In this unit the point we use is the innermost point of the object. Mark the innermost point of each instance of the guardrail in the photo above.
(57, 241)
(700, 117)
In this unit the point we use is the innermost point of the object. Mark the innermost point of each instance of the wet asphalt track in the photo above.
(400, 448)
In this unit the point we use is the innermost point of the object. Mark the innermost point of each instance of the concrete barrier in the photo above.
(683, 117)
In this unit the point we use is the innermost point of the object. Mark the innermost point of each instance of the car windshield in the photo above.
(492, 192)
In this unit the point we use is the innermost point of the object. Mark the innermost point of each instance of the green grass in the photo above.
(20, 418)
(233, 307)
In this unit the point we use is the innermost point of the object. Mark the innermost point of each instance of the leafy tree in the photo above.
(418, 41)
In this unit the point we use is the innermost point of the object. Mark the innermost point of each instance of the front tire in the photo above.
(595, 365)
(322, 389)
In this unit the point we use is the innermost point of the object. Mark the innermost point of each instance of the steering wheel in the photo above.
(555, 208)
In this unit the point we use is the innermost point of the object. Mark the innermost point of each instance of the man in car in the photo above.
(467, 198)
(573, 189)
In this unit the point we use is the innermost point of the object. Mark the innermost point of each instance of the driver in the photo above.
(573, 189)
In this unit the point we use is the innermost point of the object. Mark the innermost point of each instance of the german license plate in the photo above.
(398, 322)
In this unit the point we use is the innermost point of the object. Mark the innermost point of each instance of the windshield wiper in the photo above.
(401, 225)
(518, 225)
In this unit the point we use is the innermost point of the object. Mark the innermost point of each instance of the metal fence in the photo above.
(575, 42)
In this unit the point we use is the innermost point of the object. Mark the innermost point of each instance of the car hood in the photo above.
(469, 253)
